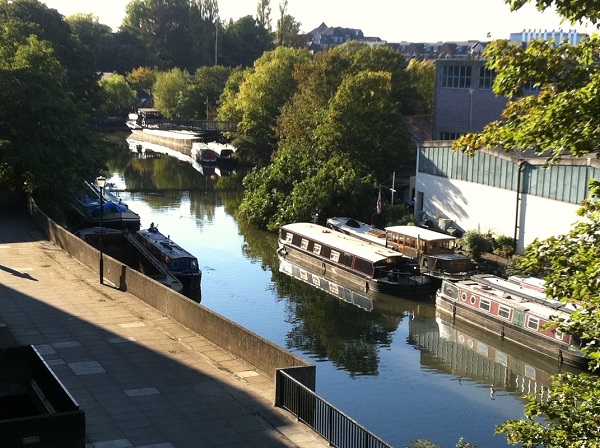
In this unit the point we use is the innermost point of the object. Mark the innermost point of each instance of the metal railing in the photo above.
(330, 423)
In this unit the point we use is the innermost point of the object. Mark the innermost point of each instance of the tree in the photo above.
(423, 73)
(30, 17)
(561, 119)
(263, 14)
(242, 42)
(118, 96)
(96, 38)
(331, 153)
(177, 32)
(142, 78)
(288, 28)
(47, 147)
(172, 94)
(208, 84)
(257, 105)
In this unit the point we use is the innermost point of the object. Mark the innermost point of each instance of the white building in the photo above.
(501, 193)
(524, 37)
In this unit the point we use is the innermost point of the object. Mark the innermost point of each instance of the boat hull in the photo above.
(456, 312)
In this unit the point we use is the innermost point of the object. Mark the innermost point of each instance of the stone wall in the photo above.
(246, 345)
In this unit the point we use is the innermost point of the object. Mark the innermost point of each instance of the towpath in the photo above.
(142, 379)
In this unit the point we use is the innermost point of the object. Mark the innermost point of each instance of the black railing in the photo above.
(330, 423)
(193, 125)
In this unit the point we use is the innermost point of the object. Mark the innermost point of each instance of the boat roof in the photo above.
(359, 228)
(165, 244)
(421, 233)
(512, 294)
(343, 242)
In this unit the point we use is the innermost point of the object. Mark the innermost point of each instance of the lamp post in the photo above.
(101, 182)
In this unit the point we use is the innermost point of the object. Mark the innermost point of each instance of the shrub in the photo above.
(475, 243)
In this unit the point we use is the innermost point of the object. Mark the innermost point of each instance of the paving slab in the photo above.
(143, 380)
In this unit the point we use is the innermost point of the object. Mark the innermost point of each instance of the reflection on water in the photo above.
(393, 368)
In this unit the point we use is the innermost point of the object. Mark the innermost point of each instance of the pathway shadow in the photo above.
(17, 273)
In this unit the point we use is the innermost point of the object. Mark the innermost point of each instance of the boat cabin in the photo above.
(435, 252)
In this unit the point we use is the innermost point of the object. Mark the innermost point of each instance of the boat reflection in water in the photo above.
(371, 301)
(465, 351)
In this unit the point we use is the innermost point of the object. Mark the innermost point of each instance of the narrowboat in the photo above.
(179, 262)
(513, 312)
(84, 211)
(433, 252)
(350, 261)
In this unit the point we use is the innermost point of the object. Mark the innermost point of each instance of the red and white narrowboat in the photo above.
(514, 312)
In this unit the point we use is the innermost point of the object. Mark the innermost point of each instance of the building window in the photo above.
(486, 78)
(448, 135)
(456, 76)
(504, 311)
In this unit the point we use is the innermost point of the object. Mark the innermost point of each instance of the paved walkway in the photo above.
(142, 379)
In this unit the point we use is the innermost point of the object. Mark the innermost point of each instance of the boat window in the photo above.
(316, 280)
(533, 323)
(463, 296)
(174, 264)
(303, 275)
(335, 256)
(504, 311)
(304, 244)
(333, 288)
(363, 266)
(317, 249)
(485, 304)
(288, 237)
(473, 300)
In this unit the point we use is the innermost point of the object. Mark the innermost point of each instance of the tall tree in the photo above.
(118, 97)
(263, 14)
(242, 42)
(48, 148)
(288, 28)
(257, 105)
(172, 94)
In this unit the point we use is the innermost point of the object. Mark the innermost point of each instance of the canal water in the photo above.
(391, 366)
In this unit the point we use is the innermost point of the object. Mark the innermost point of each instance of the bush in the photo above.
(504, 246)
(475, 243)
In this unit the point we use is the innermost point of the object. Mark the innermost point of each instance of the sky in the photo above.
(390, 20)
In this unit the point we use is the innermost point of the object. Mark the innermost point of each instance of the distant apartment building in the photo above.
(524, 37)
(324, 37)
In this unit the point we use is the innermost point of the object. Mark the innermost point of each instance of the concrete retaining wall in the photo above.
(246, 345)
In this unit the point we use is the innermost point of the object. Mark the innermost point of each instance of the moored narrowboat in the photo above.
(357, 264)
(433, 252)
(182, 264)
(512, 312)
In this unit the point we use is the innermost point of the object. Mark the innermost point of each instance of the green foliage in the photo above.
(571, 414)
(475, 243)
(172, 94)
(256, 106)
(426, 443)
(118, 97)
(142, 78)
(242, 42)
(503, 245)
(423, 73)
(330, 152)
(47, 148)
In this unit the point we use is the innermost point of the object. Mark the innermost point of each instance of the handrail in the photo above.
(329, 422)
